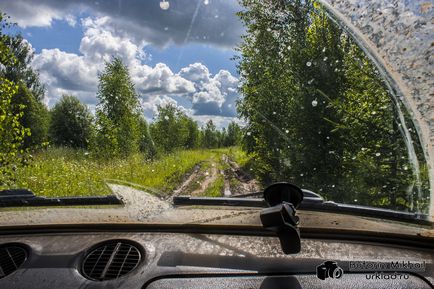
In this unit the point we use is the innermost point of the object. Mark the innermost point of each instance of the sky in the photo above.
(180, 55)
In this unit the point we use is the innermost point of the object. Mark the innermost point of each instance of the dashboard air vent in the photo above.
(111, 260)
(11, 258)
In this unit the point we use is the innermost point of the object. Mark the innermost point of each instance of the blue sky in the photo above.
(59, 35)
(67, 38)
(181, 55)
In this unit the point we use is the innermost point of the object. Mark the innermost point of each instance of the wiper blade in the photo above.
(26, 198)
(311, 202)
(245, 200)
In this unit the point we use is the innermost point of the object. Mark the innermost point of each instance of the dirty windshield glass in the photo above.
(203, 98)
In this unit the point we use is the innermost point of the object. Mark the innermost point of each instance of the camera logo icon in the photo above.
(329, 269)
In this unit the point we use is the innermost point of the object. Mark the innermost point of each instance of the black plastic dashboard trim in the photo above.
(273, 274)
(421, 242)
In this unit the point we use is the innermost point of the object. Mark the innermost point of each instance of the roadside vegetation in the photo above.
(71, 172)
(319, 113)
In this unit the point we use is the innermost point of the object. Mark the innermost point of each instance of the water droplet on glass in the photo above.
(325, 58)
(377, 154)
(287, 131)
(249, 133)
(166, 117)
(268, 29)
(274, 112)
(363, 149)
(405, 168)
(308, 64)
(301, 175)
(324, 49)
(355, 200)
(315, 103)
(310, 81)
(205, 2)
(333, 186)
(164, 5)
(289, 47)
(166, 28)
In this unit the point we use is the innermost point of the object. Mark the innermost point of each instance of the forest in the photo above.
(317, 113)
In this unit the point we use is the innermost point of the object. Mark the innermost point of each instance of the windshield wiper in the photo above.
(26, 198)
(311, 202)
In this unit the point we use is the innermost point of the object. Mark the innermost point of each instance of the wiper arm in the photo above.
(311, 202)
(245, 200)
(26, 198)
(280, 217)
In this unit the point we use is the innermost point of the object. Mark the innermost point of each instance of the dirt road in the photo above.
(218, 177)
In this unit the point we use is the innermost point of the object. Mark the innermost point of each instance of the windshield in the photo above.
(211, 98)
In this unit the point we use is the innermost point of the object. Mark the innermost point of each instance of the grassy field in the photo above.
(67, 172)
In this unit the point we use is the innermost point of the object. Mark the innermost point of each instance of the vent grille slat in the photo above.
(11, 258)
(111, 261)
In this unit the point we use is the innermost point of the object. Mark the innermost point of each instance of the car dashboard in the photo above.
(199, 260)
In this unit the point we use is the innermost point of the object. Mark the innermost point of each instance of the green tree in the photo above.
(71, 123)
(280, 68)
(210, 135)
(234, 135)
(118, 111)
(170, 130)
(192, 138)
(317, 112)
(30, 93)
(146, 143)
(12, 133)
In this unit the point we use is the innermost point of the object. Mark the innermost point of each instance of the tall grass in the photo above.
(216, 188)
(68, 172)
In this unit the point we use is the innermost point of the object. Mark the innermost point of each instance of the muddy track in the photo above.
(197, 181)
(188, 179)
(236, 180)
(210, 177)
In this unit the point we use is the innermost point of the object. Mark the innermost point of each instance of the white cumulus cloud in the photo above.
(77, 74)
